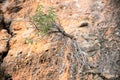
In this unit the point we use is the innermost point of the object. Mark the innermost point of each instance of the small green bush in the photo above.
(44, 21)
(28, 41)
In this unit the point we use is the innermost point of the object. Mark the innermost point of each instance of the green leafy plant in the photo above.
(44, 21)
(28, 40)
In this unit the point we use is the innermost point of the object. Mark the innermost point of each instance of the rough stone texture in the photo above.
(4, 41)
(93, 54)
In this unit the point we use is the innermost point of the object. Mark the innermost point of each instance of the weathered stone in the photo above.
(93, 55)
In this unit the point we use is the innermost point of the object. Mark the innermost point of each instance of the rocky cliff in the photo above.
(93, 53)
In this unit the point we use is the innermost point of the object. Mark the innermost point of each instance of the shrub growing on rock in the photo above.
(43, 21)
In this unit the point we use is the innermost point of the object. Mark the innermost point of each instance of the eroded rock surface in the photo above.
(93, 53)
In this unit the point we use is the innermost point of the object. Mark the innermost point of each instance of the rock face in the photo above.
(93, 53)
